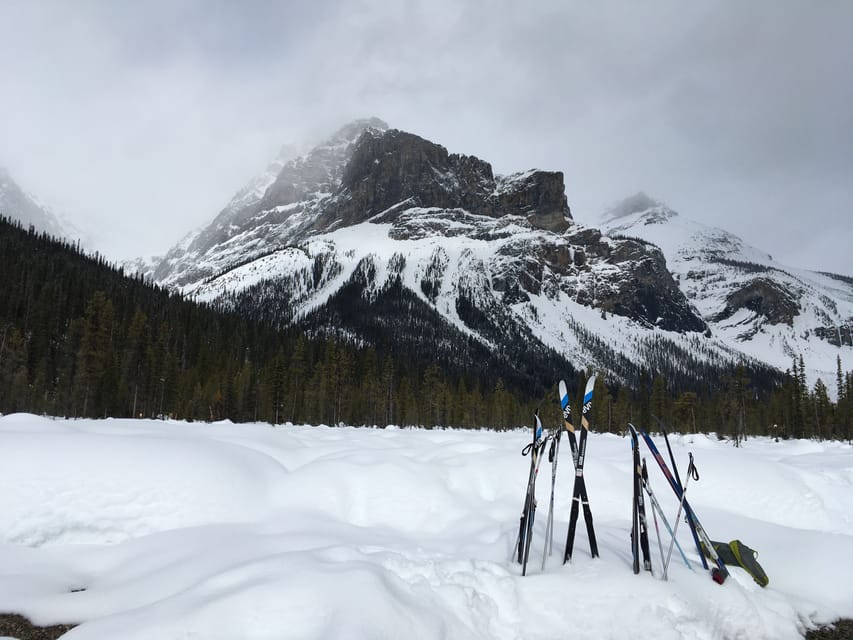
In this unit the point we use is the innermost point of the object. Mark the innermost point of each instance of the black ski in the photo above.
(579, 455)
(639, 526)
(525, 527)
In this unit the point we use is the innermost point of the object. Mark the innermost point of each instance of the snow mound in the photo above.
(167, 530)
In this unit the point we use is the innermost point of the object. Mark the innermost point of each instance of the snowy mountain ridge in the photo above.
(767, 310)
(17, 204)
(383, 215)
(265, 211)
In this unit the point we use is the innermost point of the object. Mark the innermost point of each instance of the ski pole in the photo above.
(549, 527)
(659, 510)
(691, 473)
(647, 487)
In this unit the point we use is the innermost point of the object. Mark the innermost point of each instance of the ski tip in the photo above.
(564, 394)
(590, 385)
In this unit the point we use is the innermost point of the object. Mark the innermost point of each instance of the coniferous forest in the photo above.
(79, 338)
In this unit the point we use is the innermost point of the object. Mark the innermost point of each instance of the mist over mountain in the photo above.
(17, 204)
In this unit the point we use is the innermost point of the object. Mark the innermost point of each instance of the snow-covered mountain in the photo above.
(266, 212)
(17, 204)
(378, 228)
(377, 233)
(760, 307)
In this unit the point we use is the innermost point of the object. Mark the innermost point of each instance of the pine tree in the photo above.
(685, 411)
(622, 411)
(822, 409)
(660, 399)
(741, 396)
(297, 374)
(13, 369)
(93, 357)
(803, 397)
(500, 405)
(133, 360)
(600, 410)
(839, 379)
(387, 390)
(432, 392)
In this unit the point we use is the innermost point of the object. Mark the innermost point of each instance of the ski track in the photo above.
(179, 530)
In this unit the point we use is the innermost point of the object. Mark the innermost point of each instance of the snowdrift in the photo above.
(167, 530)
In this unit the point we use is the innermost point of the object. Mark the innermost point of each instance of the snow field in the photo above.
(178, 530)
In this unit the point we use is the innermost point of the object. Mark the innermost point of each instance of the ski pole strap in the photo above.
(539, 446)
(691, 469)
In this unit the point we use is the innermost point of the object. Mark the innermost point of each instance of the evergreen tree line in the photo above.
(79, 338)
(734, 408)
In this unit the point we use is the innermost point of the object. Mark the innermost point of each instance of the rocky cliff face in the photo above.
(361, 171)
(388, 168)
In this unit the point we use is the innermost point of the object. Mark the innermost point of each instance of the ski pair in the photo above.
(639, 526)
(719, 573)
(578, 446)
(525, 526)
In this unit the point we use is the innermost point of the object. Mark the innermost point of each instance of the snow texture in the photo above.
(166, 530)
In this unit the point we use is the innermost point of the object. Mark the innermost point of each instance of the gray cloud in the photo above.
(142, 119)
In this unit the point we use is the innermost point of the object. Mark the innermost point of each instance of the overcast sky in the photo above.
(140, 120)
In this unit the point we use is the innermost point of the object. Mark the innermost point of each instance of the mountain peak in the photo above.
(350, 132)
(637, 203)
(392, 166)
(365, 168)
